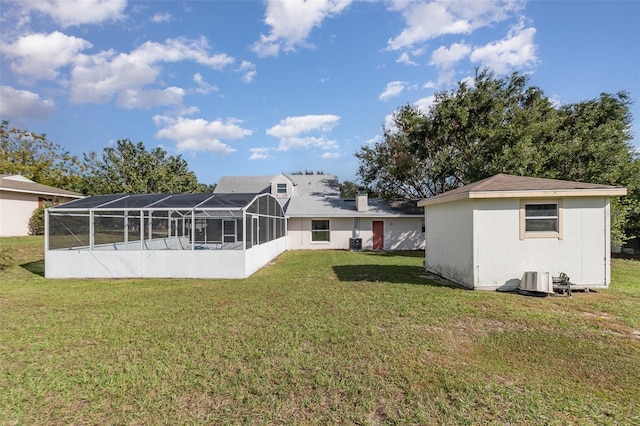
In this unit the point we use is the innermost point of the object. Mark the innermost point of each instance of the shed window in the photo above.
(541, 219)
(320, 231)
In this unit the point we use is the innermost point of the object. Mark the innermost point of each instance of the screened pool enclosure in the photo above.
(163, 236)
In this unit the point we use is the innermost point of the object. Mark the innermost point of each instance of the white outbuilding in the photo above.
(487, 234)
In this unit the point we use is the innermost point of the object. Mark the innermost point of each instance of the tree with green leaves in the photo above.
(130, 168)
(37, 158)
(503, 125)
(350, 189)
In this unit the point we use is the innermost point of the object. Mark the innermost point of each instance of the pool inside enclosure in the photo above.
(125, 235)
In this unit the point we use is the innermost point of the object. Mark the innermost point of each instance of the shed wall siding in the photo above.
(501, 257)
(449, 241)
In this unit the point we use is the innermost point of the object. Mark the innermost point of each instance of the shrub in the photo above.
(36, 223)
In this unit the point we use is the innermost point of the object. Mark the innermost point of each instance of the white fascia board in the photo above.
(307, 215)
(57, 194)
(555, 193)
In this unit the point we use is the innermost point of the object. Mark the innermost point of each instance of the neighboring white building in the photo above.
(319, 219)
(485, 235)
(19, 197)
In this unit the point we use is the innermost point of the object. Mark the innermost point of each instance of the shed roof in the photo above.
(18, 183)
(509, 186)
(161, 201)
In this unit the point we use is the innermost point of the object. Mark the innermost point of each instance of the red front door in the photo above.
(378, 235)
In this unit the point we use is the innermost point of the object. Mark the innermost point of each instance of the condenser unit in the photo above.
(541, 282)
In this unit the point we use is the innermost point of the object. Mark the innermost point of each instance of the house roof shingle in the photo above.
(318, 196)
(17, 183)
(503, 185)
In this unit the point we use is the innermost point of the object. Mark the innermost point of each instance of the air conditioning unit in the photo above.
(541, 282)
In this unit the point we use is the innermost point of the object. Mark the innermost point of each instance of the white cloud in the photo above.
(199, 134)
(160, 18)
(331, 155)
(446, 58)
(374, 140)
(248, 71)
(204, 88)
(98, 78)
(556, 101)
(181, 49)
(424, 104)
(426, 20)
(259, 154)
(389, 122)
(78, 12)
(20, 104)
(306, 142)
(292, 131)
(294, 126)
(131, 98)
(392, 90)
(40, 56)
(514, 52)
(291, 22)
(469, 81)
(404, 58)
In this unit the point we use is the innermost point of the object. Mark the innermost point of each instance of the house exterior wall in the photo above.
(299, 234)
(449, 241)
(400, 233)
(501, 257)
(15, 211)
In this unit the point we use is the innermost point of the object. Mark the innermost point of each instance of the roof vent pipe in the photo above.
(362, 204)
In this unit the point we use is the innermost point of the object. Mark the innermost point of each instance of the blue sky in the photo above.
(258, 88)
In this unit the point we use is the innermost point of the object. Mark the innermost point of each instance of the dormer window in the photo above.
(281, 188)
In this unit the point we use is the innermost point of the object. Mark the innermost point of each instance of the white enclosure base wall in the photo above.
(160, 263)
(144, 264)
(259, 256)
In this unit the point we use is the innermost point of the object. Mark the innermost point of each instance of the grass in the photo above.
(314, 338)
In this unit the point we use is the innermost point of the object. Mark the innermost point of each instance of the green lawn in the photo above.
(315, 337)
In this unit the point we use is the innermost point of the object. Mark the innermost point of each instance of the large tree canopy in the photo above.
(130, 168)
(37, 158)
(502, 125)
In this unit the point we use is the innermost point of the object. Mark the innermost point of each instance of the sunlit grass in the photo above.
(315, 337)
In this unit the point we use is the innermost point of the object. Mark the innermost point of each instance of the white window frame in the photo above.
(281, 188)
(328, 231)
(524, 234)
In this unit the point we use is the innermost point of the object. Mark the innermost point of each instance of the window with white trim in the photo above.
(320, 231)
(281, 188)
(540, 219)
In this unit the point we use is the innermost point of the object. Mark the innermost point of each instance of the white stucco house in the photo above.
(20, 196)
(230, 233)
(485, 235)
(319, 219)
